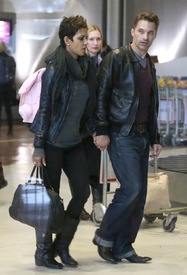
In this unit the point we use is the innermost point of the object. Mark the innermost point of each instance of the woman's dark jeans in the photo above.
(73, 162)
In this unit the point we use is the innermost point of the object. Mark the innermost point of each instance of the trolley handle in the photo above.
(155, 163)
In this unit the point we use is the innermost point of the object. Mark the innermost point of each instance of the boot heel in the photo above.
(38, 261)
(66, 258)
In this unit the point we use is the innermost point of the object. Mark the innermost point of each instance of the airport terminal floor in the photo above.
(17, 241)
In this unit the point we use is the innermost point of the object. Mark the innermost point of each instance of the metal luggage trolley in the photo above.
(168, 215)
(172, 112)
(180, 136)
(107, 177)
(164, 111)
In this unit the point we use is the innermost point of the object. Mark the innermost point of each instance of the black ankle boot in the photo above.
(44, 254)
(65, 257)
(63, 240)
(45, 258)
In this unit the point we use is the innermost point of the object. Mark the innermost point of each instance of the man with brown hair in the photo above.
(126, 124)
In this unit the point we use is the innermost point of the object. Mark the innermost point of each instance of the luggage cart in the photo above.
(172, 111)
(158, 198)
(107, 177)
(180, 136)
(168, 215)
(164, 115)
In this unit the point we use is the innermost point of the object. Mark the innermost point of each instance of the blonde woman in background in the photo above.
(94, 45)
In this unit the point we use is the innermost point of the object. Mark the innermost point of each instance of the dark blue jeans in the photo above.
(129, 156)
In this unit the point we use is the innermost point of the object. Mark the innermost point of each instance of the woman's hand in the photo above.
(39, 161)
(101, 142)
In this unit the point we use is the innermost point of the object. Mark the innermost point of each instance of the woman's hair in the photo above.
(92, 28)
(69, 26)
(148, 16)
(3, 47)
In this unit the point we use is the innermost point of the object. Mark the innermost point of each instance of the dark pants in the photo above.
(73, 162)
(93, 156)
(129, 156)
(6, 101)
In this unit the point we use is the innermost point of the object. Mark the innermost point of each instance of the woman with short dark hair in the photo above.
(67, 101)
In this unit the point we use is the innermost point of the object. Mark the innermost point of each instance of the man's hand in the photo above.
(157, 148)
(101, 142)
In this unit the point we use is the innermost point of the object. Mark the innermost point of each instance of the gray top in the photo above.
(69, 134)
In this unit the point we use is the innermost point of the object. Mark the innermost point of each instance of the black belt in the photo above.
(139, 128)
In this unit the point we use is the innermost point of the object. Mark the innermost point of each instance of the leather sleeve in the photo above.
(105, 83)
(41, 121)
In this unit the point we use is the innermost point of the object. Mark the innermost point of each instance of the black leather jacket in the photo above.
(52, 112)
(118, 94)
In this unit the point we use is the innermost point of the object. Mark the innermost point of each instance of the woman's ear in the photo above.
(66, 40)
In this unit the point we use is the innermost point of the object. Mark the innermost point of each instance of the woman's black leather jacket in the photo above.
(53, 110)
(118, 94)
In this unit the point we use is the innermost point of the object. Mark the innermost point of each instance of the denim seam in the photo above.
(102, 242)
(125, 255)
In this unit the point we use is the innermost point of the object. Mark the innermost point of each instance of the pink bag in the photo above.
(30, 96)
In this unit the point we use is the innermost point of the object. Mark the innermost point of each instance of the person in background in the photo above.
(94, 45)
(67, 101)
(7, 83)
(126, 125)
(92, 153)
(105, 48)
(3, 181)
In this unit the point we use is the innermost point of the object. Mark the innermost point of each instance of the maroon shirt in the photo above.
(145, 89)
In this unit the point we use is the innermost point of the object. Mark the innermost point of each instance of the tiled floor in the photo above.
(17, 244)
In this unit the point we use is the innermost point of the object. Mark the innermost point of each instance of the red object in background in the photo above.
(154, 58)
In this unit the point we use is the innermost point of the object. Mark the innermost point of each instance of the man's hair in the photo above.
(69, 26)
(148, 16)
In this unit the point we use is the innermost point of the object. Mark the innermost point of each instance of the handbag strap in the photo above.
(46, 182)
(38, 178)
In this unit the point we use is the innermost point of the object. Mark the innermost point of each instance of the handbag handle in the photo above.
(38, 178)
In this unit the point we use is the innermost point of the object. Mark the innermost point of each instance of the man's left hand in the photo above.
(157, 148)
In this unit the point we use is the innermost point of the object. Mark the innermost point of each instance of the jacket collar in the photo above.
(132, 56)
